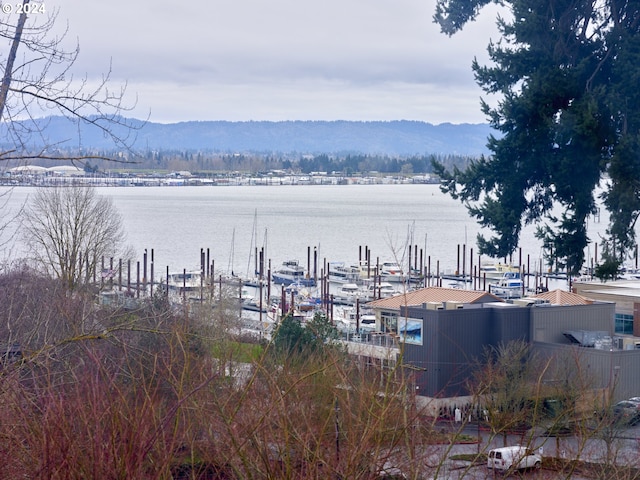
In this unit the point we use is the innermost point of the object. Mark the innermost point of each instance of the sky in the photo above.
(240, 60)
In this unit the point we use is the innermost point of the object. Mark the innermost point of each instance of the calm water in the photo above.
(335, 221)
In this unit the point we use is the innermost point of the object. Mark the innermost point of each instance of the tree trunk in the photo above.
(8, 70)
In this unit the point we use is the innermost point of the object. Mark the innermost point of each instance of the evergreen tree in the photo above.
(568, 115)
(293, 338)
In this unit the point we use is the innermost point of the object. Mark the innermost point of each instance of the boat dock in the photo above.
(320, 285)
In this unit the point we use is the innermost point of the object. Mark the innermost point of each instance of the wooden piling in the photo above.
(144, 269)
(315, 265)
(464, 260)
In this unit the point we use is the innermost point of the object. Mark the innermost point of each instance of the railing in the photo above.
(379, 339)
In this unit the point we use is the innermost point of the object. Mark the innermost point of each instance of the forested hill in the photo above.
(398, 137)
(313, 137)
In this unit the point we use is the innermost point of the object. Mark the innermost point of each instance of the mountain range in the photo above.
(401, 137)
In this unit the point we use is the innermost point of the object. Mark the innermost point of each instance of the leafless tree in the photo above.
(70, 229)
(38, 81)
(504, 382)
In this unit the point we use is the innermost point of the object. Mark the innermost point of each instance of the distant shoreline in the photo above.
(177, 179)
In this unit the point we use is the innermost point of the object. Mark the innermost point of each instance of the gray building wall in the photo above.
(548, 322)
(617, 371)
(454, 341)
(510, 324)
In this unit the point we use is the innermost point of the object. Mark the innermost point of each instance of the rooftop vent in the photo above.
(433, 306)
(454, 305)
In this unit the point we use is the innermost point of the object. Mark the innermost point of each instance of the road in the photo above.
(625, 448)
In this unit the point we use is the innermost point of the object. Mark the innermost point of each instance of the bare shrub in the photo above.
(141, 394)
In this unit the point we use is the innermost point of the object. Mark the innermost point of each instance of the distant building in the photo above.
(28, 170)
(57, 171)
(626, 296)
(66, 171)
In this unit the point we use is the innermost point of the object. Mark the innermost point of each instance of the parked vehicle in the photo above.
(513, 458)
(627, 411)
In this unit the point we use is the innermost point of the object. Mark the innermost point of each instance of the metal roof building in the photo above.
(445, 333)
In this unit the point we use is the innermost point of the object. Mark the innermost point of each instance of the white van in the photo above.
(513, 458)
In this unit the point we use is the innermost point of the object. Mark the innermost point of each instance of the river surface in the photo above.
(336, 222)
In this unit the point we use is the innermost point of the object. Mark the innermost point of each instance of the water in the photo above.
(334, 221)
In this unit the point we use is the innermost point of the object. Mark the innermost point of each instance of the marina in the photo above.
(260, 301)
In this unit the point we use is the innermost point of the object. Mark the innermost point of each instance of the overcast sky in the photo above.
(282, 59)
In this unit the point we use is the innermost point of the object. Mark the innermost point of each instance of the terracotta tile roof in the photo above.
(562, 297)
(435, 294)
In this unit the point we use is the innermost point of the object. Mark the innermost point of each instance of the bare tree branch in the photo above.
(39, 81)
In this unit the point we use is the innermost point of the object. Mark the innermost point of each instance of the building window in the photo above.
(389, 321)
(624, 323)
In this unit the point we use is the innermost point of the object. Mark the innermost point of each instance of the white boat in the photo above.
(367, 322)
(374, 290)
(510, 285)
(183, 282)
(495, 271)
(392, 272)
(291, 272)
(365, 270)
(341, 273)
(252, 304)
(348, 294)
(347, 320)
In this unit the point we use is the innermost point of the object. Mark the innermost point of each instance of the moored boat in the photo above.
(392, 272)
(339, 272)
(350, 320)
(510, 285)
(183, 282)
(252, 304)
(348, 294)
(291, 272)
(495, 271)
(374, 290)
(366, 270)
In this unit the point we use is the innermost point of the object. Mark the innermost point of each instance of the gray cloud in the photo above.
(283, 59)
